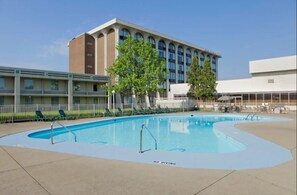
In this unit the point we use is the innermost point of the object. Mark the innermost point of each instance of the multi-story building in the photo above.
(19, 86)
(94, 51)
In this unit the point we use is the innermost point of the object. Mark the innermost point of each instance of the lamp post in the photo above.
(113, 92)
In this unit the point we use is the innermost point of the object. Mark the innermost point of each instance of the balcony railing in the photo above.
(89, 93)
(58, 92)
(6, 91)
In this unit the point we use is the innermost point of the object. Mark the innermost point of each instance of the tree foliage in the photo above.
(202, 80)
(195, 79)
(138, 67)
(209, 81)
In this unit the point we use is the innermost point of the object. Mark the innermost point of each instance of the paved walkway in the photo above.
(28, 171)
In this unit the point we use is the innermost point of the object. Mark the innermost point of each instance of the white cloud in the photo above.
(58, 47)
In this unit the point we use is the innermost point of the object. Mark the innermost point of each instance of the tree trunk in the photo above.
(134, 100)
(147, 100)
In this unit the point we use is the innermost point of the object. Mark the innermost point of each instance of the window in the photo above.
(171, 65)
(181, 67)
(171, 75)
(138, 36)
(171, 48)
(195, 54)
(28, 84)
(2, 84)
(76, 100)
(188, 60)
(180, 59)
(1, 100)
(55, 85)
(180, 50)
(188, 53)
(171, 56)
(124, 33)
(181, 77)
(95, 100)
(95, 87)
(152, 41)
(76, 86)
(162, 45)
(55, 100)
(162, 54)
(28, 100)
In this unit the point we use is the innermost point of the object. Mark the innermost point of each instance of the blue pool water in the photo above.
(189, 141)
(179, 133)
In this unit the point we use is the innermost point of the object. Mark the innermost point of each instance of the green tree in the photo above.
(195, 79)
(208, 81)
(138, 68)
(202, 80)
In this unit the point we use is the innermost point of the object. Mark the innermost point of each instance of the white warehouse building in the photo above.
(273, 81)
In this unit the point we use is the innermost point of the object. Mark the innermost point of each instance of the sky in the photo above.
(34, 33)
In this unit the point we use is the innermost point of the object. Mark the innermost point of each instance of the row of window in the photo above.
(54, 100)
(29, 85)
(124, 33)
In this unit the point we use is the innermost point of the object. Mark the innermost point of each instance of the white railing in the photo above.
(13, 113)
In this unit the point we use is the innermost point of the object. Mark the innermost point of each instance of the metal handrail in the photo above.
(254, 116)
(141, 130)
(52, 131)
(247, 117)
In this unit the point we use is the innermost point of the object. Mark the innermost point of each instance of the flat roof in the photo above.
(273, 64)
(122, 22)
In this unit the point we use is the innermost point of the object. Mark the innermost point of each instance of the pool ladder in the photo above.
(140, 145)
(52, 131)
(251, 115)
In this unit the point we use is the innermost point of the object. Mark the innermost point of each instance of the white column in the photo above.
(117, 34)
(156, 47)
(167, 67)
(105, 52)
(217, 70)
(96, 54)
(70, 92)
(17, 90)
(185, 65)
(176, 64)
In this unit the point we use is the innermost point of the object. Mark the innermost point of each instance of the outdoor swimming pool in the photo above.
(181, 133)
(189, 141)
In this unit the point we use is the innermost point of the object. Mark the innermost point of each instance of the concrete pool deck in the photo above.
(28, 171)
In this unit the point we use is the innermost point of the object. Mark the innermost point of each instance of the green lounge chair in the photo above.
(64, 116)
(135, 111)
(40, 117)
(168, 110)
(144, 111)
(108, 113)
(120, 112)
(152, 111)
(160, 110)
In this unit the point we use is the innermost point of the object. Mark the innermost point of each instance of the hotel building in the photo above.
(273, 82)
(94, 51)
(19, 86)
